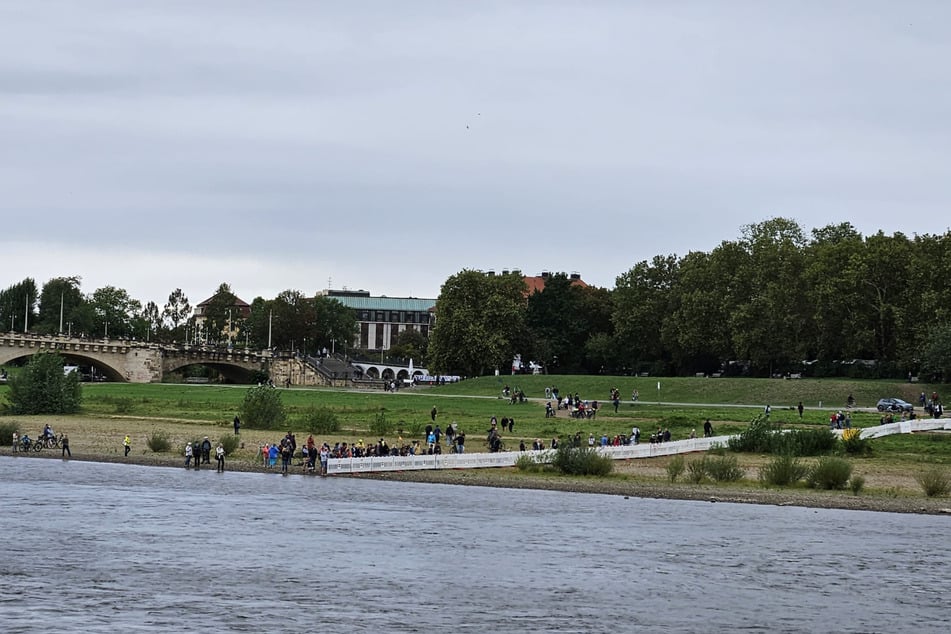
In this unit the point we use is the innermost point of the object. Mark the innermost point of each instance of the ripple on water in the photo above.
(145, 549)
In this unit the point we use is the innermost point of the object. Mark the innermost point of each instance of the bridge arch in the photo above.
(231, 372)
(20, 354)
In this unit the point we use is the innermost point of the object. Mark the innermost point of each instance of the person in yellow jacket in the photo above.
(127, 443)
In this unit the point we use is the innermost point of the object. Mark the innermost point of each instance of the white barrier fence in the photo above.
(508, 458)
(905, 427)
(344, 466)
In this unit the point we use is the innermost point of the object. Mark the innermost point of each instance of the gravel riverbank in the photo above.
(619, 485)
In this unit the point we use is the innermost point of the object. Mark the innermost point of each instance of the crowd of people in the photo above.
(201, 453)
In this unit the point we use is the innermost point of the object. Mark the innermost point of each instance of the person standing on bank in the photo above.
(127, 443)
(64, 443)
(237, 425)
(432, 413)
(220, 457)
(16, 441)
(188, 455)
(206, 451)
(800, 408)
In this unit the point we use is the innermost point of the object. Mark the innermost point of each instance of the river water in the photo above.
(110, 547)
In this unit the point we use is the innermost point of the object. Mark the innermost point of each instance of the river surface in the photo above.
(92, 547)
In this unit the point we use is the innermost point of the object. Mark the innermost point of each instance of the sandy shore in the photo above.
(623, 484)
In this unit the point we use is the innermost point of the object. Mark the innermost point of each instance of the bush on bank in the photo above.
(761, 436)
(829, 473)
(42, 387)
(158, 441)
(581, 461)
(934, 482)
(675, 468)
(784, 470)
(320, 420)
(263, 409)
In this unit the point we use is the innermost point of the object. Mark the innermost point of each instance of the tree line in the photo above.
(774, 301)
(289, 321)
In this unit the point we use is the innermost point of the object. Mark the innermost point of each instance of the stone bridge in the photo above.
(131, 361)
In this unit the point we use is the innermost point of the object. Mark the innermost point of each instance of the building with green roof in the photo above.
(381, 319)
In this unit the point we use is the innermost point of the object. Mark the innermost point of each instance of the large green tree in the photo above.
(18, 306)
(936, 353)
(480, 323)
(770, 320)
(292, 320)
(219, 315)
(410, 344)
(175, 314)
(835, 303)
(562, 318)
(43, 388)
(114, 312)
(642, 299)
(696, 329)
(60, 301)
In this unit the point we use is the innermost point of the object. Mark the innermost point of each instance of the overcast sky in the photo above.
(388, 145)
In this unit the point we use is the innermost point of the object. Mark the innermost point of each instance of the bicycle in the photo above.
(50, 442)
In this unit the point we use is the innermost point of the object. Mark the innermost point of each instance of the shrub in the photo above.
(934, 482)
(717, 449)
(6, 433)
(230, 443)
(723, 468)
(697, 470)
(320, 420)
(528, 462)
(829, 472)
(415, 429)
(854, 444)
(783, 470)
(857, 483)
(262, 408)
(41, 387)
(675, 468)
(756, 438)
(764, 437)
(158, 442)
(581, 461)
(809, 442)
(379, 426)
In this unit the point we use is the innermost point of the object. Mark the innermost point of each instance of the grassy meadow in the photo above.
(186, 412)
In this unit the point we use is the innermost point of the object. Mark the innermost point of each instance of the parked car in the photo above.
(894, 405)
